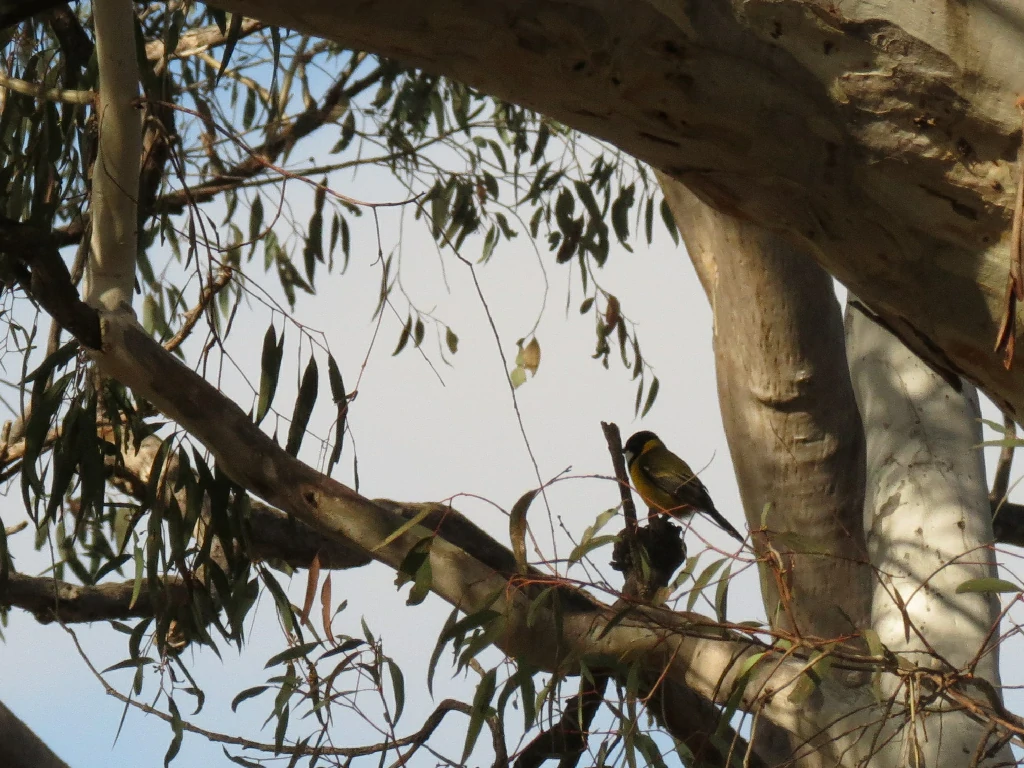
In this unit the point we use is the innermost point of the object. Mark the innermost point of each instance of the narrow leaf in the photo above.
(987, 584)
(303, 407)
(312, 581)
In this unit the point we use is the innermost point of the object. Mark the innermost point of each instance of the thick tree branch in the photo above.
(20, 747)
(668, 645)
(794, 431)
(110, 270)
(929, 523)
(50, 599)
(883, 143)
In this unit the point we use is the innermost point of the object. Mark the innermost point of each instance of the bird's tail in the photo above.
(724, 524)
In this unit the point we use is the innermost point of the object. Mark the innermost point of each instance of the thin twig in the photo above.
(614, 438)
(210, 291)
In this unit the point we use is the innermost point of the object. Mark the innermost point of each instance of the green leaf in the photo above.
(139, 570)
(620, 212)
(340, 398)
(403, 339)
(136, 636)
(270, 371)
(683, 575)
(1006, 442)
(57, 360)
(542, 141)
(702, 581)
(5, 558)
(129, 664)
(234, 33)
(739, 687)
(280, 730)
(284, 607)
(237, 760)
(874, 642)
(290, 654)
(586, 196)
(451, 340)
(176, 728)
(481, 708)
(584, 548)
(669, 221)
(517, 528)
(255, 224)
(303, 407)
(537, 603)
(416, 566)
(621, 614)
(407, 525)
(335, 380)
(987, 584)
(248, 693)
(249, 109)
(398, 686)
(722, 594)
(652, 393)
(442, 640)
(649, 221)
(565, 204)
(348, 130)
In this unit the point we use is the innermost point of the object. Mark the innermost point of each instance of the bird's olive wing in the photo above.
(670, 473)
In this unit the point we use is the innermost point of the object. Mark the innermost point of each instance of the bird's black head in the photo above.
(636, 444)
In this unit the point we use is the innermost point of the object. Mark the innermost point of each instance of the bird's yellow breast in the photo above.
(653, 495)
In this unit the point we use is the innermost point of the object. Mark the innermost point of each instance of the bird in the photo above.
(667, 484)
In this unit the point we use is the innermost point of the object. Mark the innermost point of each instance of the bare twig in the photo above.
(611, 434)
(210, 291)
(414, 740)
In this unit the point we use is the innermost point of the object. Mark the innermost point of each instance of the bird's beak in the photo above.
(629, 457)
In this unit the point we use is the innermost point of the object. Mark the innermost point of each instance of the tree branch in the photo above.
(20, 747)
(794, 431)
(110, 269)
(684, 649)
(902, 188)
(49, 599)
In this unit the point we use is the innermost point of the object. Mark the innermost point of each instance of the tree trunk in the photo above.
(929, 528)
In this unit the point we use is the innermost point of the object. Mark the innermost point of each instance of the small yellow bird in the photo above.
(667, 484)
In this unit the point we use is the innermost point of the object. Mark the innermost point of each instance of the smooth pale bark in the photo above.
(882, 133)
(929, 527)
(110, 271)
(790, 417)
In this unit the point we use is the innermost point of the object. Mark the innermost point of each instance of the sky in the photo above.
(423, 430)
(421, 433)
